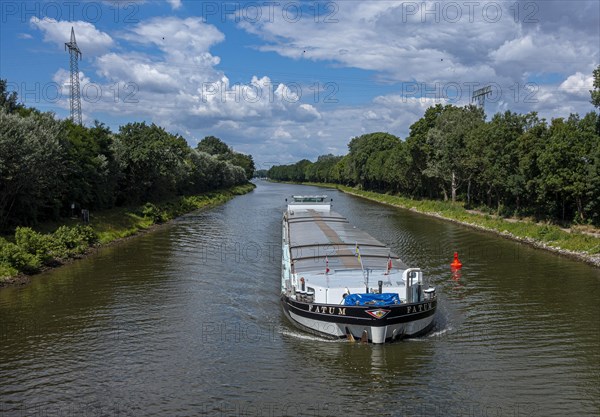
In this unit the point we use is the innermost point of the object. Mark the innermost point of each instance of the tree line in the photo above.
(513, 165)
(48, 165)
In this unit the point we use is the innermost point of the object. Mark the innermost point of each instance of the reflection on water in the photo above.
(187, 321)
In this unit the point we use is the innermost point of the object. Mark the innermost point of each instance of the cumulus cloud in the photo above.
(281, 133)
(578, 84)
(175, 4)
(169, 76)
(178, 38)
(165, 70)
(91, 41)
(91, 93)
(538, 51)
(389, 37)
(434, 42)
(431, 53)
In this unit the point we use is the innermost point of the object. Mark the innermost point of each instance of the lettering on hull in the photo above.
(376, 313)
(419, 308)
(337, 311)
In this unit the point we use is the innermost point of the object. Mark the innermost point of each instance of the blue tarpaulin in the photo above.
(384, 299)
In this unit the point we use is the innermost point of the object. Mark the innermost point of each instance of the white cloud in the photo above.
(530, 43)
(382, 36)
(543, 52)
(152, 76)
(578, 84)
(425, 42)
(181, 39)
(176, 84)
(91, 41)
(175, 4)
(177, 81)
(91, 93)
(280, 133)
(307, 112)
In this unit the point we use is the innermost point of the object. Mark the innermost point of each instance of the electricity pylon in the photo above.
(75, 55)
(479, 96)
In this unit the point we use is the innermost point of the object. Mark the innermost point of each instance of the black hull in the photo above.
(359, 317)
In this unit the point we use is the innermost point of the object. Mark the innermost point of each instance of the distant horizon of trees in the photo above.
(513, 165)
(261, 173)
(46, 165)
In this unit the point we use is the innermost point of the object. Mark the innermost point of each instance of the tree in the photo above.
(213, 146)
(324, 167)
(32, 169)
(420, 152)
(515, 163)
(261, 173)
(396, 168)
(244, 161)
(567, 167)
(595, 93)
(447, 162)
(151, 160)
(8, 101)
(92, 172)
(364, 147)
(492, 160)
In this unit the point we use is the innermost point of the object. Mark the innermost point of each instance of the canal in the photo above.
(185, 321)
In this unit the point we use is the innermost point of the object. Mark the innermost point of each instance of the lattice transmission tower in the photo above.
(480, 95)
(75, 56)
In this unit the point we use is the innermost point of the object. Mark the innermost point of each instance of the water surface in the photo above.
(186, 321)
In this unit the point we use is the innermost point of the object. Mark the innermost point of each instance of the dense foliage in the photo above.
(596, 91)
(49, 165)
(32, 250)
(28, 251)
(513, 165)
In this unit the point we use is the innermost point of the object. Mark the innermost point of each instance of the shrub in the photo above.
(34, 243)
(87, 234)
(13, 256)
(150, 211)
(70, 241)
(505, 211)
(6, 272)
(548, 233)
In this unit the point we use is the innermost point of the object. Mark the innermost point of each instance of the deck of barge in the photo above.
(315, 236)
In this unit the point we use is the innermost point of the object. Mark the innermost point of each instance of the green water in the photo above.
(186, 321)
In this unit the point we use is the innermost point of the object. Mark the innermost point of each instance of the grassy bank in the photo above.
(571, 243)
(51, 244)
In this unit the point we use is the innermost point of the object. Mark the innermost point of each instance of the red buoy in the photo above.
(456, 264)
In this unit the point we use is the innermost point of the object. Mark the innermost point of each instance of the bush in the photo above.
(71, 241)
(150, 211)
(87, 234)
(13, 256)
(34, 243)
(548, 233)
(6, 272)
(505, 211)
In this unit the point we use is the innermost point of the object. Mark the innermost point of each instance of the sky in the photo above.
(287, 80)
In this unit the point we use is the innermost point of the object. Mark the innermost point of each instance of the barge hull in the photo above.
(397, 324)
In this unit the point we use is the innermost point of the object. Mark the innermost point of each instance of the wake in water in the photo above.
(299, 334)
(442, 324)
(431, 335)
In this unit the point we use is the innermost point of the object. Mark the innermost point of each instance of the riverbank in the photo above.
(573, 243)
(53, 244)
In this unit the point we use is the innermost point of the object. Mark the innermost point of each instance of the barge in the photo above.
(340, 282)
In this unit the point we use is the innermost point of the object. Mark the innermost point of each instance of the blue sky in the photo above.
(290, 80)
